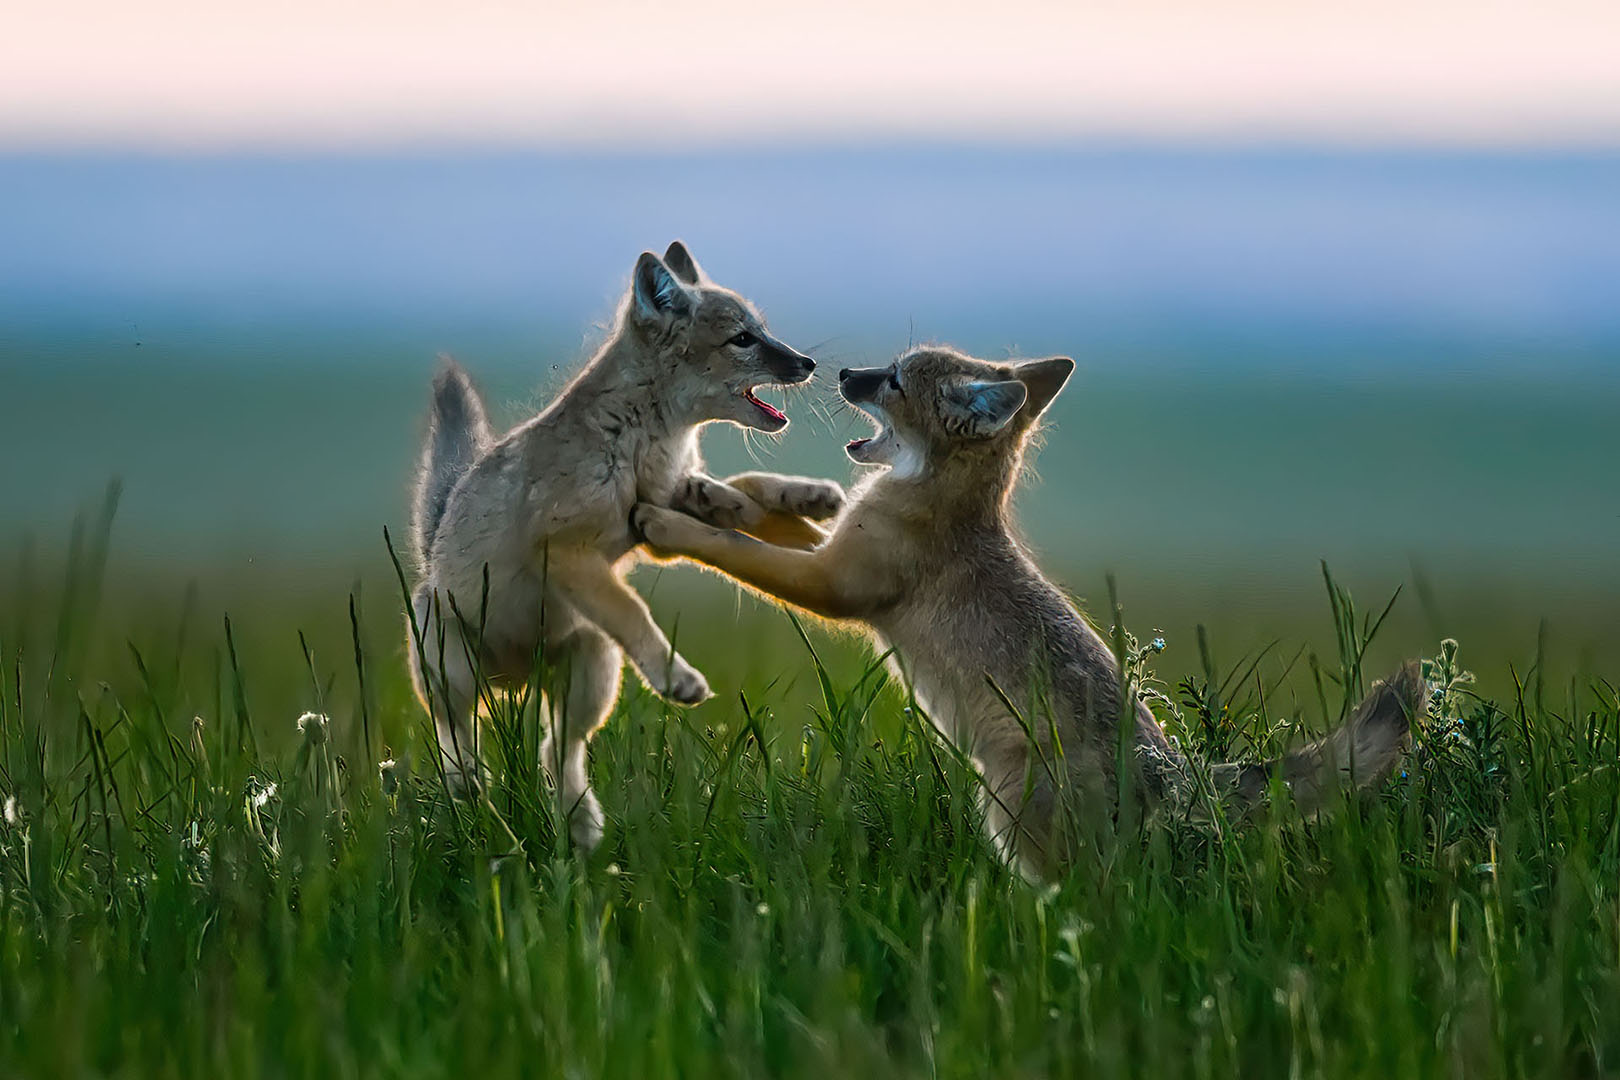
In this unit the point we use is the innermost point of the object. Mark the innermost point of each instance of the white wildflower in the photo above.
(261, 796)
(11, 813)
(389, 773)
(312, 726)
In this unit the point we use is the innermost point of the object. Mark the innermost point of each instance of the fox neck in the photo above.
(622, 381)
(972, 488)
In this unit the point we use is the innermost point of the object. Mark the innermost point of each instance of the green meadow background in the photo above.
(1211, 487)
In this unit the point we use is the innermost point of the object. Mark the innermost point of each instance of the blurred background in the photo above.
(1342, 281)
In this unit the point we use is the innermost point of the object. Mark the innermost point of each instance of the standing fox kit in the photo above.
(925, 554)
(543, 511)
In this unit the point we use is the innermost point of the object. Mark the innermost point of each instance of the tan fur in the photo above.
(925, 554)
(544, 511)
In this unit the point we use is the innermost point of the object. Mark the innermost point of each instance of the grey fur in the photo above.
(681, 263)
(1364, 750)
(544, 512)
(458, 432)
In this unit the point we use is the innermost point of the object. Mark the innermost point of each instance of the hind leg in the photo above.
(593, 664)
(591, 586)
(447, 687)
(1016, 800)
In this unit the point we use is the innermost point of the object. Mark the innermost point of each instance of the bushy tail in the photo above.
(1359, 754)
(458, 431)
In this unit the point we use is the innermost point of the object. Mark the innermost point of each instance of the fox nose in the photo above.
(809, 364)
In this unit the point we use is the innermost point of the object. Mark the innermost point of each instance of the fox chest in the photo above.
(628, 478)
(657, 472)
(956, 701)
(959, 660)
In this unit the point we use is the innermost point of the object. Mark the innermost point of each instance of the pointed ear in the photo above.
(658, 297)
(984, 408)
(1044, 378)
(682, 265)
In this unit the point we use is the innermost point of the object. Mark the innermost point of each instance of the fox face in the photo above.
(935, 403)
(713, 347)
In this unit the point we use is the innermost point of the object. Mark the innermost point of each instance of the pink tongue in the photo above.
(855, 443)
(769, 410)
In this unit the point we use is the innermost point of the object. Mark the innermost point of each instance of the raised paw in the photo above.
(817, 500)
(643, 515)
(658, 528)
(686, 684)
(717, 504)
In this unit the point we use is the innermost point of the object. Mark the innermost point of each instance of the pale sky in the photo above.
(727, 73)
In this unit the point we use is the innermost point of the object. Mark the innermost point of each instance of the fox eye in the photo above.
(743, 340)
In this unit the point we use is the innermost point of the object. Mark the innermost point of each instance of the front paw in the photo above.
(817, 500)
(717, 504)
(657, 527)
(684, 684)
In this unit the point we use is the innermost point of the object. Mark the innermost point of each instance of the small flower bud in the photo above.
(313, 727)
(389, 772)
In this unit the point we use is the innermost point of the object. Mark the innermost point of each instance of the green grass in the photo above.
(792, 883)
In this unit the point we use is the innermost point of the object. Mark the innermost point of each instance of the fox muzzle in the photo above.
(784, 362)
(861, 384)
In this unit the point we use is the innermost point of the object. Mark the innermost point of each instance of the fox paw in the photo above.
(717, 504)
(645, 526)
(817, 500)
(657, 527)
(686, 684)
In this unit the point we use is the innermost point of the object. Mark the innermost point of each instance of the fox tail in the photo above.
(1362, 752)
(458, 432)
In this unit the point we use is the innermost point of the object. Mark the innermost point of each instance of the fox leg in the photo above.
(800, 496)
(775, 509)
(593, 663)
(808, 579)
(590, 585)
(716, 502)
(791, 504)
(447, 686)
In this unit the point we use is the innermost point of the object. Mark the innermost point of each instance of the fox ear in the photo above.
(1044, 378)
(658, 297)
(681, 263)
(984, 408)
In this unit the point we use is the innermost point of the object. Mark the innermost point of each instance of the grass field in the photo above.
(792, 883)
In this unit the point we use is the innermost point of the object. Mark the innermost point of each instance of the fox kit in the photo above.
(925, 554)
(543, 511)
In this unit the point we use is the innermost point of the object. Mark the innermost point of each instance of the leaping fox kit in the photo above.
(925, 554)
(544, 511)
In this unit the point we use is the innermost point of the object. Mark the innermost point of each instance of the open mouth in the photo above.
(870, 449)
(774, 418)
(874, 449)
